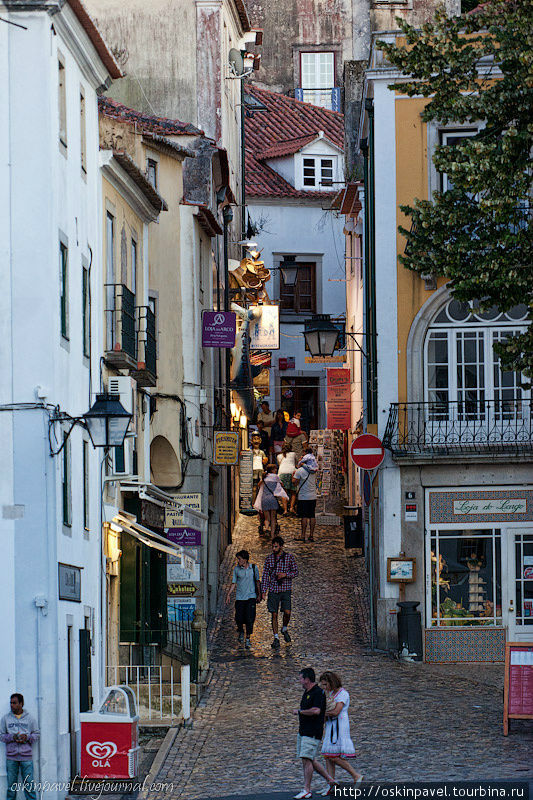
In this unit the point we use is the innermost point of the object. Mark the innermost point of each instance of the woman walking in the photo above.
(337, 746)
(270, 490)
(286, 467)
(279, 431)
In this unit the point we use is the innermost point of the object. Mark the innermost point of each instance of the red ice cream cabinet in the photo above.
(109, 737)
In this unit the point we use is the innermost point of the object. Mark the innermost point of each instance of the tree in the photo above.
(477, 68)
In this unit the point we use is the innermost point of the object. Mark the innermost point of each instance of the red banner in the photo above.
(339, 416)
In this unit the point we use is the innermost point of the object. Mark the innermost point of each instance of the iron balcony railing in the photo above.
(461, 426)
(146, 340)
(326, 98)
(183, 643)
(120, 320)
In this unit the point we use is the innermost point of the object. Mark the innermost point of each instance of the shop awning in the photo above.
(126, 523)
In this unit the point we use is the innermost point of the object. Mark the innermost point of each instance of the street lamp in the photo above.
(107, 421)
(321, 335)
(289, 270)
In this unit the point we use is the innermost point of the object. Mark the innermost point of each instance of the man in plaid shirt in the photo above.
(278, 571)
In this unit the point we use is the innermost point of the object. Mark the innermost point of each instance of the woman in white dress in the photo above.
(337, 746)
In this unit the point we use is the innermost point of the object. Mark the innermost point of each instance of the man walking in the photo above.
(305, 479)
(19, 731)
(278, 572)
(311, 716)
(246, 579)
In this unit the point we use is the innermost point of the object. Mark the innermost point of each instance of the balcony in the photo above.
(469, 427)
(121, 340)
(326, 98)
(145, 372)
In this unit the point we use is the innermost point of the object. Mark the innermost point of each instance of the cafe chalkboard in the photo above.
(518, 685)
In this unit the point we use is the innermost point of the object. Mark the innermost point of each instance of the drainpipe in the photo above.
(227, 217)
(369, 107)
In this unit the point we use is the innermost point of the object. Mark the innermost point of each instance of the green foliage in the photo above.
(477, 69)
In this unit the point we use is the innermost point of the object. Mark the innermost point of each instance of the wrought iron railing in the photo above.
(120, 319)
(146, 339)
(462, 426)
(326, 98)
(183, 643)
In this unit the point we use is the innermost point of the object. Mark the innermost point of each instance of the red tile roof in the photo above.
(145, 122)
(287, 126)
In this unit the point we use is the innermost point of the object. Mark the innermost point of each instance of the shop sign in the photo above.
(245, 480)
(183, 589)
(219, 328)
(528, 570)
(69, 583)
(226, 447)
(186, 537)
(325, 359)
(286, 363)
(174, 512)
(152, 515)
(264, 332)
(518, 683)
(338, 399)
(486, 505)
(184, 572)
(180, 608)
(401, 570)
(411, 512)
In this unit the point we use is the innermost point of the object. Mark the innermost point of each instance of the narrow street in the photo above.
(410, 722)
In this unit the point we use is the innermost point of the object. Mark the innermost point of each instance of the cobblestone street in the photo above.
(409, 722)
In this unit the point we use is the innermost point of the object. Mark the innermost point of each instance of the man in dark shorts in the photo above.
(278, 571)
(311, 727)
(305, 480)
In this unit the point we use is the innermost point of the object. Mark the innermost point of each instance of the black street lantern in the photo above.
(321, 335)
(107, 421)
(289, 270)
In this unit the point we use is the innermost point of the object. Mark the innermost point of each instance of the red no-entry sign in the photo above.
(367, 452)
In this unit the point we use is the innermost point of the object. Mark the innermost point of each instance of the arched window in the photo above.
(463, 377)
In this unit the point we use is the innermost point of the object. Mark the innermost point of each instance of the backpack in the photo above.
(293, 429)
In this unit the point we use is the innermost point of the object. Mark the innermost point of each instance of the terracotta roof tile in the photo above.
(145, 122)
(288, 125)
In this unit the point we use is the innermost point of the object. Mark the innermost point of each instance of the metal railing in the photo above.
(157, 691)
(183, 643)
(461, 426)
(326, 98)
(146, 339)
(120, 320)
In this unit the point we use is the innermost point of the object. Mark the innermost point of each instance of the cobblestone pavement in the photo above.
(409, 722)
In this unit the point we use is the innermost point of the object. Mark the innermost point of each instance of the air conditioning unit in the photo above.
(126, 388)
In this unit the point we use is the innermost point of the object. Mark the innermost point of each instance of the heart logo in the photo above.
(101, 750)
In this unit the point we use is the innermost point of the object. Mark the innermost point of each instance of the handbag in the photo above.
(257, 584)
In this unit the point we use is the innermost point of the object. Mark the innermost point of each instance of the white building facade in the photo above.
(53, 64)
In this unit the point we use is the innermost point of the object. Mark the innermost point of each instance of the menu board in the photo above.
(245, 480)
(518, 686)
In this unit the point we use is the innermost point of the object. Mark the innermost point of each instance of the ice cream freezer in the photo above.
(110, 736)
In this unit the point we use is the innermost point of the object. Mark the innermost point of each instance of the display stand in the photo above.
(518, 684)
(328, 447)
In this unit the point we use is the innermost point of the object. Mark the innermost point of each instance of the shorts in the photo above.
(245, 611)
(307, 747)
(286, 482)
(277, 599)
(305, 509)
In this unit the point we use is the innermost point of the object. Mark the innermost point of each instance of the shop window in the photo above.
(465, 578)
(301, 296)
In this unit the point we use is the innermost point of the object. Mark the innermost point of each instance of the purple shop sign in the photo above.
(219, 328)
(187, 537)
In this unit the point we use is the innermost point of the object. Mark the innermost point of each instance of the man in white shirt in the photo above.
(305, 479)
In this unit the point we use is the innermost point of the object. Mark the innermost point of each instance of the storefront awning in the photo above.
(126, 523)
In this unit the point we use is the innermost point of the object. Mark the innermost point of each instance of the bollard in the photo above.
(186, 693)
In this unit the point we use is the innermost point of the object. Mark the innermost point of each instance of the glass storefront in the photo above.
(466, 577)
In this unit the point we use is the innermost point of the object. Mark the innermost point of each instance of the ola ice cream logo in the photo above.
(101, 752)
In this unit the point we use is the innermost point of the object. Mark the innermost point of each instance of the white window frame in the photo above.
(317, 73)
(436, 135)
(318, 166)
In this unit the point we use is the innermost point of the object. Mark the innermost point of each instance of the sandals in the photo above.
(303, 795)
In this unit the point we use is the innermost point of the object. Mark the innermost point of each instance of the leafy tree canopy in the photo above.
(477, 69)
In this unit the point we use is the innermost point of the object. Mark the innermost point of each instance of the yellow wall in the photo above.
(411, 183)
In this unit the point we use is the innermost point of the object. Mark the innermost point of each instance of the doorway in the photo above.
(519, 602)
(301, 394)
